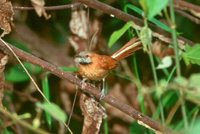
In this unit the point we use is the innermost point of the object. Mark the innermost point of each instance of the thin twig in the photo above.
(189, 16)
(142, 119)
(60, 7)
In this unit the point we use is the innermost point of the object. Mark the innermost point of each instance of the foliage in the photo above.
(53, 110)
(17, 74)
(117, 34)
(191, 54)
(153, 7)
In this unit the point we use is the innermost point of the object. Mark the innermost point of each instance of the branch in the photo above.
(184, 5)
(156, 32)
(60, 7)
(142, 119)
(3, 62)
(187, 15)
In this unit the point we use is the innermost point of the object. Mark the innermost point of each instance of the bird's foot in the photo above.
(102, 94)
(83, 83)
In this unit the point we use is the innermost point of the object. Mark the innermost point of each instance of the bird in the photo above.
(96, 67)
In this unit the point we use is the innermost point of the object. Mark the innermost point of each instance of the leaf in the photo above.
(194, 81)
(165, 63)
(153, 7)
(69, 69)
(192, 54)
(194, 129)
(54, 110)
(39, 8)
(19, 44)
(17, 73)
(6, 131)
(117, 34)
(46, 89)
(153, 20)
(145, 37)
(135, 128)
(6, 16)
(181, 81)
(169, 98)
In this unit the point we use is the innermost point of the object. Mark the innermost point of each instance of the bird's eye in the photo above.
(87, 56)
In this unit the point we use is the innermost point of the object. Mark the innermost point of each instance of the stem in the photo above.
(161, 112)
(151, 58)
(154, 72)
(140, 97)
(178, 69)
(153, 68)
(174, 37)
(183, 110)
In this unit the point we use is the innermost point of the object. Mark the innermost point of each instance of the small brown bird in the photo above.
(96, 67)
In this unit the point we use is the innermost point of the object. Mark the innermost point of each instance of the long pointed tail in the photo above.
(128, 49)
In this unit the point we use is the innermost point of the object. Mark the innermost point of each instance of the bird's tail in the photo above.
(128, 49)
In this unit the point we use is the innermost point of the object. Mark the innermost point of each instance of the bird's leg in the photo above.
(103, 89)
(83, 83)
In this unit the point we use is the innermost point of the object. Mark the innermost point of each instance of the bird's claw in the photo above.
(102, 94)
(83, 83)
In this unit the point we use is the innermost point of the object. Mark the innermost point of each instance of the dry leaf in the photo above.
(6, 16)
(165, 63)
(39, 8)
(79, 23)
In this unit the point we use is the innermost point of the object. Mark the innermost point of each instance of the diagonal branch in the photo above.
(142, 119)
(157, 32)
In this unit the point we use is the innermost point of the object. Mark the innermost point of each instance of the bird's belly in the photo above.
(94, 73)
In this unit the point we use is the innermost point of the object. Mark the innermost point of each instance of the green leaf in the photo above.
(153, 7)
(194, 129)
(54, 110)
(144, 6)
(19, 44)
(169, 99)
(69, 69)
(145, 37)
(135, 128)
(194, 81)
(117, 34)
(6, 131)
(153, 20)
(46, 89)
(192, 54)
(17, 73)
(181, 81)
(105, 126)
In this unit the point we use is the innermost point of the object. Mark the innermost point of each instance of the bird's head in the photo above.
(84, 58)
